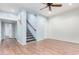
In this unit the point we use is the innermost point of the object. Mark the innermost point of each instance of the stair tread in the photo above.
(29, 36)
(31, 40)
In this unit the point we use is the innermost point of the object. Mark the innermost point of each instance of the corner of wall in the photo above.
(22, 43)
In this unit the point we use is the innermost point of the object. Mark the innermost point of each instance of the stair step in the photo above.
(30, 37)
(29, 40)
(29, 33)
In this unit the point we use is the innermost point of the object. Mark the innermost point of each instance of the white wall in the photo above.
(21, 28)
(0, 30)
(65, 26)
(41, 28)
(9, 16)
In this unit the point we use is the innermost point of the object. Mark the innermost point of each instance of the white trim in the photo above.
(60, 39)
(20, 42)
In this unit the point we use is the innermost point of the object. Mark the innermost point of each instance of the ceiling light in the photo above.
(50, 12)
(70, 4)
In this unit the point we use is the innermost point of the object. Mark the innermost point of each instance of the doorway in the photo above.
(8, 30)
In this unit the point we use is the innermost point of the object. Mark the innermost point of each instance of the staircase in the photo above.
(30, 36)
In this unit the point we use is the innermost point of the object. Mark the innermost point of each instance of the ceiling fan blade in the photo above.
(56, 5)
(44, 3)
(44, 8)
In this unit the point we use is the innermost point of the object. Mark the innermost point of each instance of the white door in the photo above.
(7, 30)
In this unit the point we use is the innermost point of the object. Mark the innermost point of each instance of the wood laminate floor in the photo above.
(44, 47)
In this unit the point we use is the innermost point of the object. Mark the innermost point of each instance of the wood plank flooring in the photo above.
(44, 47)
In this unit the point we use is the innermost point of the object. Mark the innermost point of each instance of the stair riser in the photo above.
(31, 40)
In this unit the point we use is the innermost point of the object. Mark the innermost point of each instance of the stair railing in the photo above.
(31, 25)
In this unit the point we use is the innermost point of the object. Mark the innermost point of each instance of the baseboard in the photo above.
(64, 40)
(39, 39)
(22, 43)
(12, 38)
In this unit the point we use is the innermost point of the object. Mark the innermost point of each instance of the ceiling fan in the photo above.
(50, 5)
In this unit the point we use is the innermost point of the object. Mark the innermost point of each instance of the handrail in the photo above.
(31, 25)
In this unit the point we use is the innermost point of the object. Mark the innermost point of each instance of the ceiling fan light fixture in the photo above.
(50, 5)
(50, 12)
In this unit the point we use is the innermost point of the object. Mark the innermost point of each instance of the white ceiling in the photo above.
(12, 7)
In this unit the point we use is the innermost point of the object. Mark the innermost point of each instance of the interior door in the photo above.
(7, 30)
